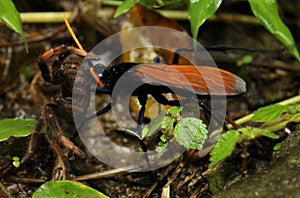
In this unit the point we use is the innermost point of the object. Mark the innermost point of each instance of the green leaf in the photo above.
(199, 11)
(293, 108)
(174, 111)
(268, 113)
(223, 147)
(16, 161)
(125, 7)
(16, 127)
(11, 17)
(161, 149)
(153, 126)
(250, 133)
(190, 133)
(167, 123)
(277, 146)
(267, 12)
(244, 60)
(65, 188)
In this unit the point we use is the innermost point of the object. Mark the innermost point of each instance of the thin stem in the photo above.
(248, 117)
(112, 2)
(58, 17)
(3, 189)
(44, 17)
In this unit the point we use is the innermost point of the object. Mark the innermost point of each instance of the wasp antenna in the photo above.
(99, 82)
(72, 32)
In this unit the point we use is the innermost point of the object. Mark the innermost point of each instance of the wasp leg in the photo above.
(101, 112)
(163, 100)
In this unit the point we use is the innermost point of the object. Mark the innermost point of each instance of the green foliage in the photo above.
(127, 4)
(125, 7)
(277, 146)
(226, 143)
(153, 126)
(188, 132)
(224, 147)
(248, 134)
(268, 113)
(284, 114)
(200, 10)
(16, 127)
(164, 121)
(66, 189)
(16, 161)
(267, 12)
(244, 60)
(11, 17)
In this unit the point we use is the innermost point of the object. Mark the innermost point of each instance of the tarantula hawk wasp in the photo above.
(60, 66)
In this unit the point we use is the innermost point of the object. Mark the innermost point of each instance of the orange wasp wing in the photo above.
(202, 80)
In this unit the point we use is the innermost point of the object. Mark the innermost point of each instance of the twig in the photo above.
(4, 190)
(108, 173)
(25, 180)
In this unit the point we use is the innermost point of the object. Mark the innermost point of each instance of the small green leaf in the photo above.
(293, 108)
(161, 149)
(16, 161)
(190, 133)
(125, 7)
(244, 60)
(199, 11)
(268, 113)
(153, 126)
(267, 12)
(250, 133)
(16, 127)
(11, 17)
(167, 123)
(224, 147)
(66, 188)
(277, 146)
(15, 158)
(266, 133)
(174, 111)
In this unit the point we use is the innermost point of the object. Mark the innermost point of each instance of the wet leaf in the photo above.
(268, 113)
(267, 12)
(199, 11)
(224, 147)
(16, 127)
(190, 133)
(11, 17)
(66, 189)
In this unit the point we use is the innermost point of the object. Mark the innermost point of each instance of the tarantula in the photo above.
(61, 66)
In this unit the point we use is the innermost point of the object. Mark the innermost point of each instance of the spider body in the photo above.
(61, 66)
